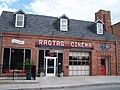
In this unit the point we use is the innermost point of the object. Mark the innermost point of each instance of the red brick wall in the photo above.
(96, 58)
(96, 54)
(115, 29)
(105, 16)
(66, 62)
(118, 58)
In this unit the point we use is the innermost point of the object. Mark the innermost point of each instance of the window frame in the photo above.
(63, 25)
(99, 28)
(10, 56)
(16, 21)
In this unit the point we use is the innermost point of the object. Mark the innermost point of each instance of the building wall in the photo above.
(118, 47)
(0, 55)
(105, 16)
(96, 58)
(115, 29)
(95, 62)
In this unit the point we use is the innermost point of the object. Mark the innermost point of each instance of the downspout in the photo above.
(116, 55)
(1, 57)
(1, 47)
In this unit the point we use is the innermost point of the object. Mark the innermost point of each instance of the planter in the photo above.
(42, 74)
(61, 74)
(28, 76)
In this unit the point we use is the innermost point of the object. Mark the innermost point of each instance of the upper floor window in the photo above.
(63, 24)
(99, 28)
(19, 22)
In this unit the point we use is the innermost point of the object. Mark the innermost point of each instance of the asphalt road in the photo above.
(108, 87)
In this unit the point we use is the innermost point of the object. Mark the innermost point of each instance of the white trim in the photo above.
(53, 74)
(20, 10)
(63, 24)
(99, 20)
(99, 28)
(16, 21)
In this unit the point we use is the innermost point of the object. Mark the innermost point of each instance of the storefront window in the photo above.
(17, 56)
(14, 58)
(27, 53)
(41, 63)
(6, 57)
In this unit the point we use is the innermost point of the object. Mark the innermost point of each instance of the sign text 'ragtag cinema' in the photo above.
(58, 43)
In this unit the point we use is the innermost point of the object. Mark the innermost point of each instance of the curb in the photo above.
(71, 86)
(19, 82)
(75, 86)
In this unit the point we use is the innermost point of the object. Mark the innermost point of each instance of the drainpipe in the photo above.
(1, 46)
(1, 53)
(116, 54)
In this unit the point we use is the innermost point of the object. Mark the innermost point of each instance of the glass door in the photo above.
(50, 66)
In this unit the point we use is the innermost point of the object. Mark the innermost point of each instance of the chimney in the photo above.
(105, 16)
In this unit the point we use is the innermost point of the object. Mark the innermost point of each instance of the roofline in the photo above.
(99, 20)
(21, 11)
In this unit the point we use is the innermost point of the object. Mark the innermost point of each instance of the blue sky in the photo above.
(74, 9)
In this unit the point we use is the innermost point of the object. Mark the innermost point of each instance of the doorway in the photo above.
(44, 59)
(50, 66)
(105, 66)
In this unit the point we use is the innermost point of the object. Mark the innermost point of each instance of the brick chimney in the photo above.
(105, 16)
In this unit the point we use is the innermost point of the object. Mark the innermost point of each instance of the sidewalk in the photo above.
(62, 82)
(56, 82)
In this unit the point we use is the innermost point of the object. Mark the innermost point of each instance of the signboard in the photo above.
(64, 43)
(18, 41)
(105, 46)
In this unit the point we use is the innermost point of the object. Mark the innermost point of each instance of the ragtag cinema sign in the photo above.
(63, 43)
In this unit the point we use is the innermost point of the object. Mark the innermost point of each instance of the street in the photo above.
(108, 87)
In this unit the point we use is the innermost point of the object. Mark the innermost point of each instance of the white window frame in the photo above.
(63, 24)
(16, 21)
(100, 28)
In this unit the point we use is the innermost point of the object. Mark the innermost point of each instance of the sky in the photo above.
(73, 9)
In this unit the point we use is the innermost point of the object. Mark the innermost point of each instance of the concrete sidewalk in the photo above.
(55, 82)
(62, 82)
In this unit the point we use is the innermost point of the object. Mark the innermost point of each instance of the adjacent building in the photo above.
(58, 44)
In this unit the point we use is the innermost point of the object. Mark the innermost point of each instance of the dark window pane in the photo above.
(87, 63)
(47, 52)
(79, 58)
(70, 57)
(41, 59)
(83, 63)
(6, 59)
(79, 63)
(60, 60)
(17, 58)
(74, 63)
(70, 63)
(74, 58)
(27, 54)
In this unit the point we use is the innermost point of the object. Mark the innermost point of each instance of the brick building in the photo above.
(74, 47)
(115, 29)
(105, 16)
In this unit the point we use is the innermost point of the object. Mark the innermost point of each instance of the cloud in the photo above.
(8, 1)
(75, 9)
(5, 5)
